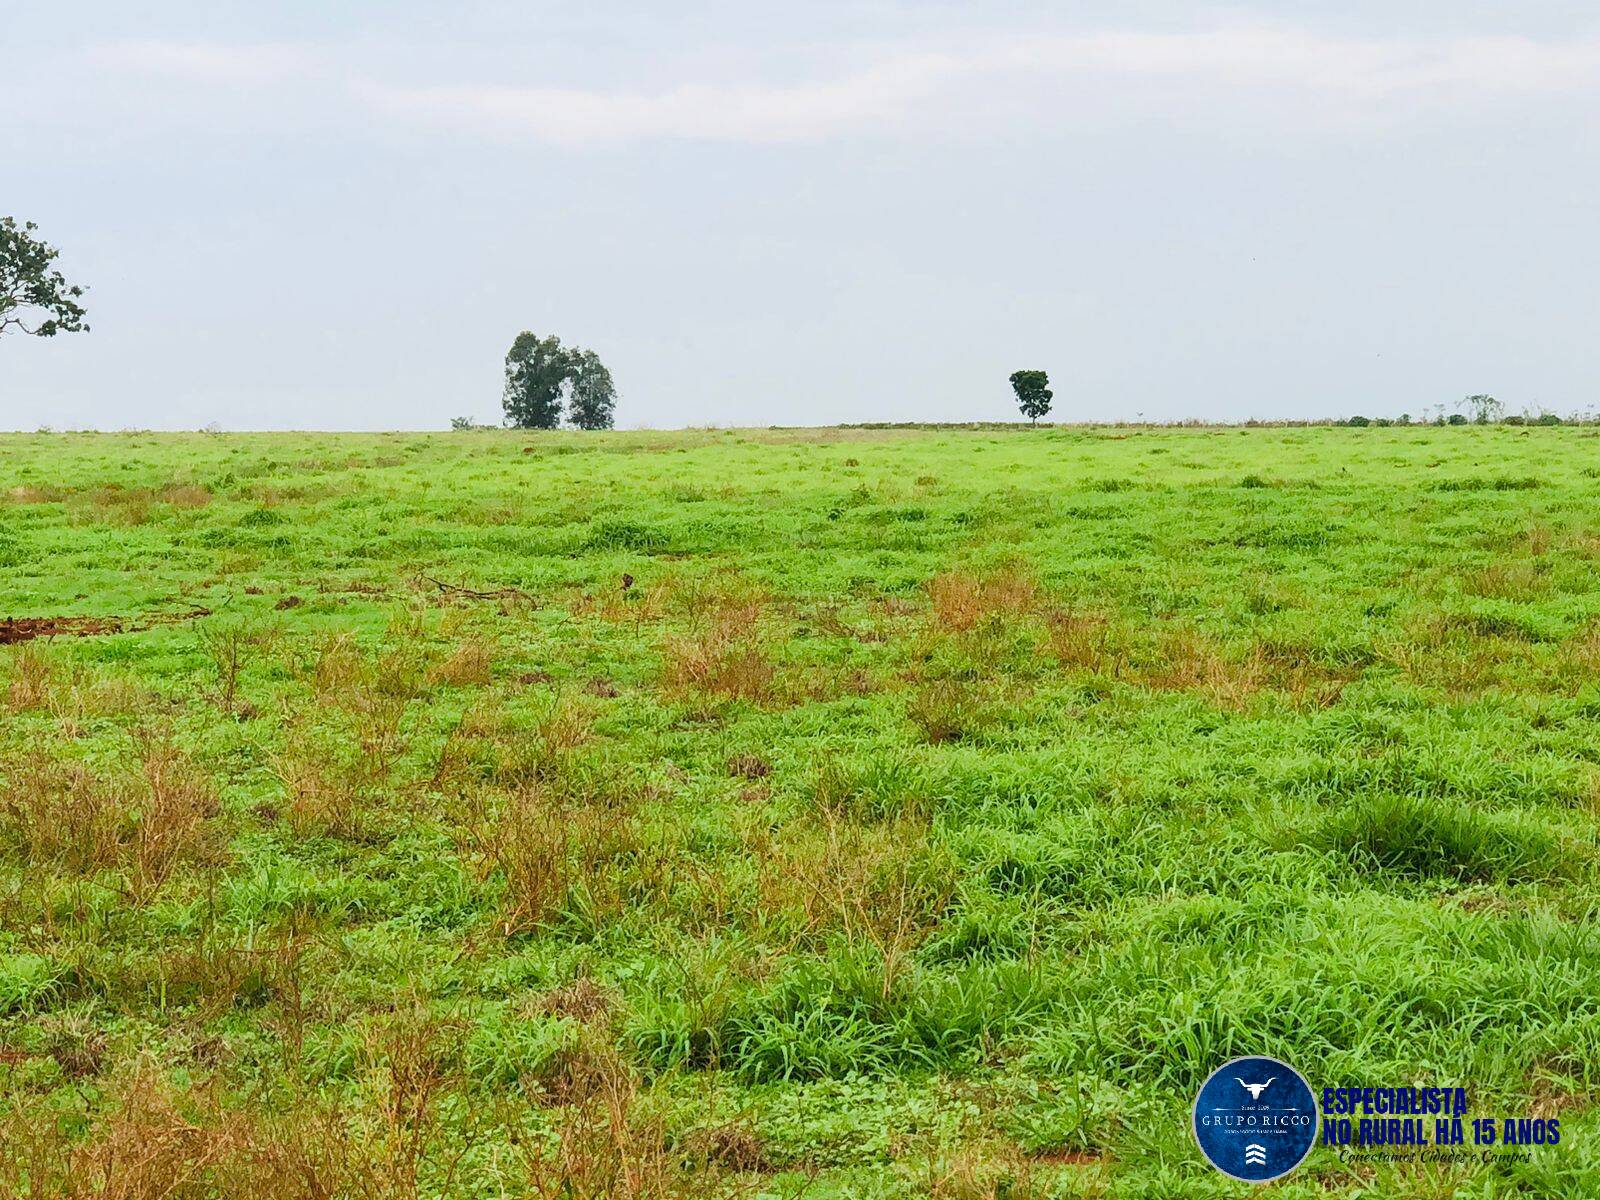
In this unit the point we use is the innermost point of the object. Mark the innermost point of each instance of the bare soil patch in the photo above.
(15, 630)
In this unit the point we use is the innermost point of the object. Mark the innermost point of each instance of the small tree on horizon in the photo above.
(594, 396)
(536, 375)
(1033, 393)
(30, 284)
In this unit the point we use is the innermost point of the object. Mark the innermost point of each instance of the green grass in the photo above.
(870, 813)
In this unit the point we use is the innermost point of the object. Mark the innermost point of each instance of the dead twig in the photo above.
(455, 589)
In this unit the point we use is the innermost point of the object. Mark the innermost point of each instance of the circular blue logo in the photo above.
(1256, 1119)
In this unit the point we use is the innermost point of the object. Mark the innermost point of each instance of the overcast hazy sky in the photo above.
(337, 215)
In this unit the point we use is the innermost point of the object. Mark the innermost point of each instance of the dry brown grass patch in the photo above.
(987, 1172)
(1581, 651)
(1181, 658)
(34, 680)
(1186, 660)
(151, 1141)
(623, 600)
(115, 505)
(948, 710)
(319, 798)
(583, 1000)
(529, 846)
(177, 798)
(76, 1044)
(212, 976)
(749, 766)
(883, 886)
(1299, 672)
(71, 693)
(724, 654)
(378, 723)
(1081, 641)
(62, 813)
(184, 495)
(605, 1146)
(1468, 653)
(337, 666)
(475, 734)
(1506, 581)
(149, 1146)
(733, 1145)
(35, 493)
(1580, 542)
(550, 758)
(412, 1062)
(551, 853)
(85, 820)
(469, 665)
(961, 600)
(232, 646)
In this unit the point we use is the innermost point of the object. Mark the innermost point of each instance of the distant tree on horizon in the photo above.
(542, 376)
(536, 377)
(1033, 393)
(1485, 408)
(594, 395)
(31, 289)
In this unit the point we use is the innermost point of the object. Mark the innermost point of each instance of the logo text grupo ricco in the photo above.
(1255, 1118)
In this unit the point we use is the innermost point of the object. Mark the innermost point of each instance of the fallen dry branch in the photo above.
(455, 589)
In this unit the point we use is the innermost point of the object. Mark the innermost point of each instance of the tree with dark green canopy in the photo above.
(542, 374)
(1033, 393)
(594, 395)
(34, 297)
(536, 376)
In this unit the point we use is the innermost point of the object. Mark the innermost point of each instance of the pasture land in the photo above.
(875, 813)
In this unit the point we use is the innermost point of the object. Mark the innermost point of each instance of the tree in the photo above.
(1485, 408)
(594, 395)
(541, 373)
(1033, 393)
(536, 375)
(34, 297)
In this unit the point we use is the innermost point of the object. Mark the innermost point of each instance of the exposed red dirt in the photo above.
(1067, 1158)
(25, 629)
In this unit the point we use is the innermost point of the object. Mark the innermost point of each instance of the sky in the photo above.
(337, 216)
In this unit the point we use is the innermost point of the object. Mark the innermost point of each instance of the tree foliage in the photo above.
(34, 297)
(536, 378)
(542, 375)
(1033, 393)
(594, 395)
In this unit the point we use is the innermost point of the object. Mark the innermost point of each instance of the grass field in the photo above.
(826, 813)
